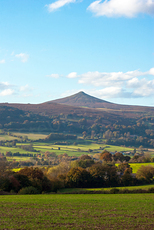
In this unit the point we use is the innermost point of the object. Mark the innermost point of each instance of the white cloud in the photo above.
(107, 79)
(25, 88)
(121, 8)
(4, 85)
(58, 4)
(72, 75)
(145, 90)
(2, 61)
(131, 84)
(151, 71)
(6, 89)
(24, 57)
(110, 92)
(7, 92)
(27, 95)
(53, 75)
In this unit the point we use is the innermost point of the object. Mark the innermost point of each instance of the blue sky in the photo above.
(51, 49)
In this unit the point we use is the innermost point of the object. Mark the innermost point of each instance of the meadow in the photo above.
(136, 166)
(71, 211)
(32, 136)
(78, 148)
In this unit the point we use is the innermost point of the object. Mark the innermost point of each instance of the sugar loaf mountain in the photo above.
(81, 113)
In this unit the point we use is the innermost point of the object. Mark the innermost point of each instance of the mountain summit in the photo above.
(82, 99)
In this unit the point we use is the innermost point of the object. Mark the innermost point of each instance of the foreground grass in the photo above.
(77, 211)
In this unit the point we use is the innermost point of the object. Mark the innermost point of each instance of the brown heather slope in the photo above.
(84, 100)
(56, 109)
(86, 105)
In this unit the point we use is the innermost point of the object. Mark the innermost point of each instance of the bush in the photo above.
(114, 191)
(151, 190)
(28, 190)
(5, 184)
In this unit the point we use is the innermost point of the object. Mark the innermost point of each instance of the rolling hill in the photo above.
(82, 99)
(80, 113)
(82, 103)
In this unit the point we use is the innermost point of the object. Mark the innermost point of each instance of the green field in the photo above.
(131, 211)
(72, 150)
(7, 138)
(136, 166)
(82, 147)
(4, 149)
(32, 136)
(18, 158)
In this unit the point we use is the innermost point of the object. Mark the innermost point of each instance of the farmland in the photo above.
(136, 166)
(56, 211)
(71, 148)
(82, 146)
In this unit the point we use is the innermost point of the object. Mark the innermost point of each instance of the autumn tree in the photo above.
(98, 174)
(85, 157)
(111, 177)
(106, 156)
(4, 167)
(145, 173)
(85, 163)
(119, 156)
(127, 178)
(62, 168)
(122, 167)
(37, 178)
(78, 178)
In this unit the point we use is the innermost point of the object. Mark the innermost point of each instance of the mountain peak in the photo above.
(82, 99)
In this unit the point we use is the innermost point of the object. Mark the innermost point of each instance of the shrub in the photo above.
(114, 191)
(151, 190)
(28, 190)
(5, 184)
(145, 173)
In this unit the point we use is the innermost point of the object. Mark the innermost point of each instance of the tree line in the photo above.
(71, 175)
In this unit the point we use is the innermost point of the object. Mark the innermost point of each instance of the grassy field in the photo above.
(74, 149)
(4, 149)
(82, 147)
(7, 138)
(131, 211)
(136, 166)
(18, 158)
(32, 136)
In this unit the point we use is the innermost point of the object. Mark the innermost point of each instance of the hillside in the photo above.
(84, 105)
(82, 99)
(51, 109)
(117, 124)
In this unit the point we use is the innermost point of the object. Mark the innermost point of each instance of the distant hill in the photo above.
(81, 113)
(83, 100)
(82, 103)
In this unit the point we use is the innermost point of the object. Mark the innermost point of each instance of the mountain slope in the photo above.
(83, 100)
(82, 103)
